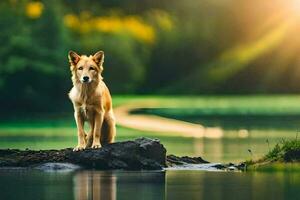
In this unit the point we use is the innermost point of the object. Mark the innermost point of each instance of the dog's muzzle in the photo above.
(85, 79)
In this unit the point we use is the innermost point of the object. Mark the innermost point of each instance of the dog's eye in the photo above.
(92, 68)
(80, 68)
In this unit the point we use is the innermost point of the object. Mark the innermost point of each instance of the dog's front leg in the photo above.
(99, 116)
(80, 131)
(90, 135)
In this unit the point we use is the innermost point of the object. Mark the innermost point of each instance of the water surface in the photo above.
(242, 138)
(173, 185)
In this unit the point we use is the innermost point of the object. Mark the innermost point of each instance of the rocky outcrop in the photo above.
(139, 154)
(142, 153)
(173, 160)
(197, 163)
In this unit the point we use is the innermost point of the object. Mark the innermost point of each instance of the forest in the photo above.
(151, 47)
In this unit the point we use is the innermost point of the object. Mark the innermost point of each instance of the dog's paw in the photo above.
(96, 146)
(79, 148)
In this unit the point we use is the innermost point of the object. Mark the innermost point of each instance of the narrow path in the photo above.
(165, 126)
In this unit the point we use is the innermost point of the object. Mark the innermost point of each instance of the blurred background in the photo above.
(230, 64)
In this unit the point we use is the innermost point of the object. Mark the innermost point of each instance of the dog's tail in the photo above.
(108, 131)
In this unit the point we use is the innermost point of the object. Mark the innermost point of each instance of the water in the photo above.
(242, 139)
(229, 148)
(244, 136)
(239, 136)
(110, 185)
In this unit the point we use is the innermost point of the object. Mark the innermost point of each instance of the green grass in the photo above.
(181, 105)
(62, 137)
(61, 131)
(64, 125)
(250, 104)
(285, 151)
(285, 156)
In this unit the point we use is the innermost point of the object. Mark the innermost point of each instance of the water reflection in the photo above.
(90, 185)
(236, 143)
(94, 185)
(173, 185)
(225, 185)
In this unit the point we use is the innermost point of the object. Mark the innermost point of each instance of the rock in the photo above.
(142, 153)
(173, 160)
(219, 166)
(197, 163)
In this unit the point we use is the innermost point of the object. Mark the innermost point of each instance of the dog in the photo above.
(91, 100)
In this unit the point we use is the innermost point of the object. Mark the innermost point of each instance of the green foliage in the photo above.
(285, 156)
(165, 47)
(32, 59)
(286, 150)
(275, 153)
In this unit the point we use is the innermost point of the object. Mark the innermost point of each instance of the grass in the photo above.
(285, 151)
(278, 112)
(285, 156)
(253, 104)
(62, 137)
(183, 105)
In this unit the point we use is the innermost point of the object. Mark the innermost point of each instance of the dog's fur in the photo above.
(91, 100)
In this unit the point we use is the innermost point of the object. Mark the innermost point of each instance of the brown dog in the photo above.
(91, 100)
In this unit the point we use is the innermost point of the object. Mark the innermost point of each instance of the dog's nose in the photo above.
(85, 78)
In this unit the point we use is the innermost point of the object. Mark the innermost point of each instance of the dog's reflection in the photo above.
(90, 185)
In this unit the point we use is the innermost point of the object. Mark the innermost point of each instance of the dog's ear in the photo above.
(99, 58)
(73, 58)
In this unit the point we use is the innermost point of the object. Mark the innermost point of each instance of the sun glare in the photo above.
(294, 6)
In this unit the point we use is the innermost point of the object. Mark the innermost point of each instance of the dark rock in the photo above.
(139, 154)
(241, 166)
(219, 166)
(142, 153)
(231, 167)
(173, 160)
(185, 162)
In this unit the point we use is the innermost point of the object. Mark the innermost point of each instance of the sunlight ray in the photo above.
(235, 59)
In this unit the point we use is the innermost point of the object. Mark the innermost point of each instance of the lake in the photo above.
(250, 125)
(232, 147)
(173, 184)
(110, 185)
(243, 138)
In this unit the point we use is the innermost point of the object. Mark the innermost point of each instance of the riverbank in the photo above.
(285, 156)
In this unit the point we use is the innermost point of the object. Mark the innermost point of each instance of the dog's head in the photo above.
(86, 68)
